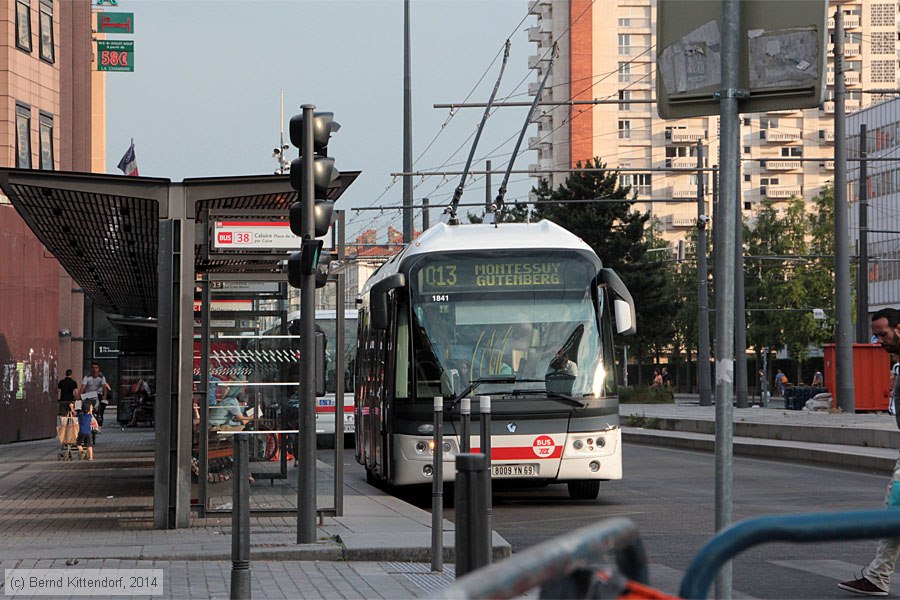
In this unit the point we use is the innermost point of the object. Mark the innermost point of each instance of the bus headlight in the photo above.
(578, 444)
(594, 466)
(427, 470)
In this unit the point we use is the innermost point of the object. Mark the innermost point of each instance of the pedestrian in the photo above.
(780, 383)
(67, 388)
(657, 379)
(895, 374)
(94, 386)
(875, 579)
(665, 377)
(818, 380)
(86, 427)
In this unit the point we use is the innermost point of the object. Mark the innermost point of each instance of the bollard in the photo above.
(470, 514)
(240, 520)
(437, 489)
(465, 412)
(484, 411)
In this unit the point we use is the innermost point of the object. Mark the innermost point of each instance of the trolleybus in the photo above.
(523, 313)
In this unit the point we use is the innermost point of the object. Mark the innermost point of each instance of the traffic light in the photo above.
(305, 262)
(323, 171)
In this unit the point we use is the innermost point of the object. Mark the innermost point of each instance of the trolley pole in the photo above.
(863, 329)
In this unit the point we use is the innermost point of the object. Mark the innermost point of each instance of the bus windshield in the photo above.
(526, 316)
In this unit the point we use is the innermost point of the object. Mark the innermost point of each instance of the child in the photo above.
(85, 418)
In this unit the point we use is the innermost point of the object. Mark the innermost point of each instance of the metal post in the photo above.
(740, 314)
(240, 519)
(437, 489)
(339, 368)
(625, 365)
(484, 411)
(470, 514)
(426, 215)
(724, 272)
(306, 443)
(407, 130)
(203, 403)
(844, 330)
(704, 384)
(465, 437)
(863, 329)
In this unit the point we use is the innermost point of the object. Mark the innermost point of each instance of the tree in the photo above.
(621, 237)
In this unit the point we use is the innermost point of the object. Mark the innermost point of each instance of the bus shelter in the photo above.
(149, 251)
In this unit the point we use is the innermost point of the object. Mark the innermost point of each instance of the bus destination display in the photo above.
(467, 276)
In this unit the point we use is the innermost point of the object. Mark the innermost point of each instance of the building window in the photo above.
(640, 183)
(23, 24)
(46, 31)
(624, 44)
(624, 130)
(789, 151)
(46, 141)
(768, 123)
(624, 97)
(746, 149)
(624, 22)
(748, 178)
(23, 136)
(624, 72)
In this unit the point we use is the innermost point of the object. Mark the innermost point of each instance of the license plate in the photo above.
(514, 471)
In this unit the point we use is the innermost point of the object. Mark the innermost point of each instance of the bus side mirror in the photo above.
(379, 299)
(623, 303)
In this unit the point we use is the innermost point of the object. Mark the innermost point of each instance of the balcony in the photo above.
(534, 86)
(687, 136)
(851, 49)
(539, 143)
(780, 137)
(850, 78)
(785, 111)
(782, 192)
(540, 35)
(634, 23)
(684, 162)
(683, 221)
(829, 137)
(851, 21)
(539, 61)
(684, 192)
(829, 165)
(781, 165)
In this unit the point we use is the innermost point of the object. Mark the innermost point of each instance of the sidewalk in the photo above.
(863, 441)
(99, 515)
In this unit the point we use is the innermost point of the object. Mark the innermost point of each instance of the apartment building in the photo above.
(882, 199)
(607, 52)
(45, 123)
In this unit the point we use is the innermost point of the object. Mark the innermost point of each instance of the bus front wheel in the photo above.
(584, 490)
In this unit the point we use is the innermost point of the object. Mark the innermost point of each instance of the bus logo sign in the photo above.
(511, 427)
(543, 446)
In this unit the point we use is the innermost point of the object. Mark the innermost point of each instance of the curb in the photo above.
(818, 454)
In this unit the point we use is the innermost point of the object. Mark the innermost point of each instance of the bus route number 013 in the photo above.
(113, 58)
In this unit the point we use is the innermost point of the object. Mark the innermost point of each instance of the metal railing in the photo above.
(557, 559)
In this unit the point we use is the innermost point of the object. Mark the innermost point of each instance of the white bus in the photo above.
(523, 313)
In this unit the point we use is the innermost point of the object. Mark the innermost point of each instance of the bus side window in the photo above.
(401, 383)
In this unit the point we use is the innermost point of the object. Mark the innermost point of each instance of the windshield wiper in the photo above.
(474, 384)
(552, 395)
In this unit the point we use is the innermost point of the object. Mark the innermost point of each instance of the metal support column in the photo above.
(725, 271)
(863, 328)
(844, 330)
(240, 519)
(704, 381)
(339, 367)
(740, 314)
(203, 401)
(306, 444)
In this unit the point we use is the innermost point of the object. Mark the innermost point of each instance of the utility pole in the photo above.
(844, 329)
(740, 314)
(724, 272)
(407, 131)
(704, 381)
(863, 330)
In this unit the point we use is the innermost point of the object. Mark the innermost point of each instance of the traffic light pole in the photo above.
(306, 443)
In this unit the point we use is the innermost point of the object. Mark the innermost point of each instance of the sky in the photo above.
(204, 98)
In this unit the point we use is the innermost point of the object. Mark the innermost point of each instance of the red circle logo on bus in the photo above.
(543, 446)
